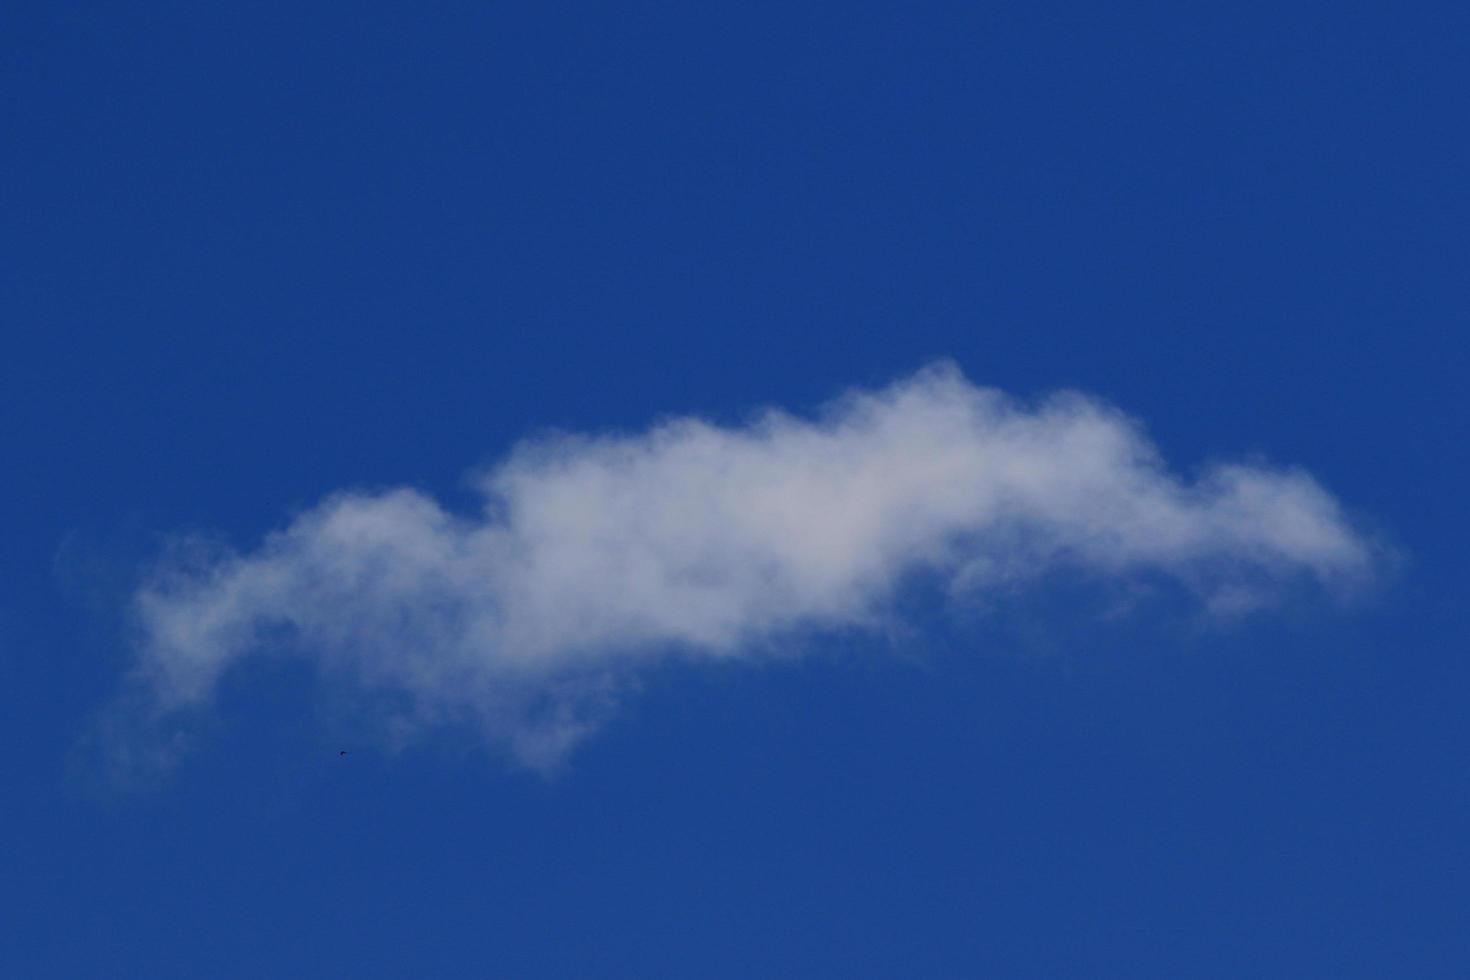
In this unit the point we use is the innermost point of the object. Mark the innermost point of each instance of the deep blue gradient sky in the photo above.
(251, 254)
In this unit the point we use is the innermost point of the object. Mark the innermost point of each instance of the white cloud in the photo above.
(595, 554)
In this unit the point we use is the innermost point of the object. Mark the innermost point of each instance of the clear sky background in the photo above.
(253, 254)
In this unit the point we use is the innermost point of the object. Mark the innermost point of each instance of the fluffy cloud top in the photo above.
(595, 554)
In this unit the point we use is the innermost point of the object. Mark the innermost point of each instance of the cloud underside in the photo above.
(593, 555)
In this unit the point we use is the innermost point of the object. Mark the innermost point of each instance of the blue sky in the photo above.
(795, 705)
